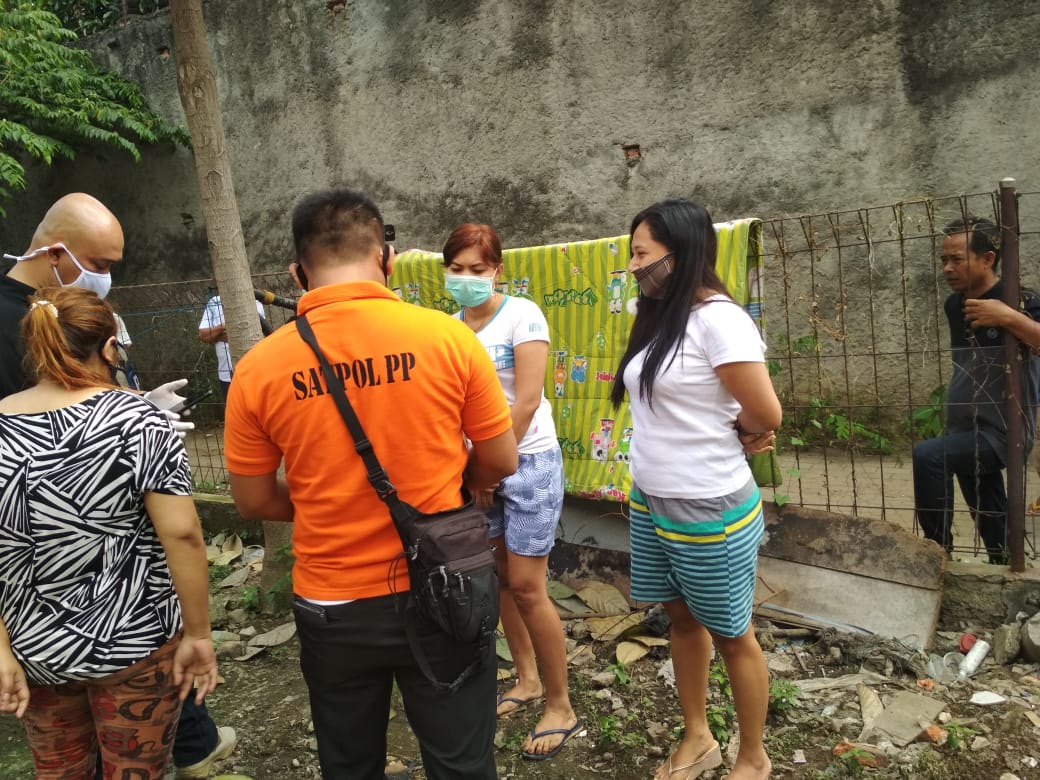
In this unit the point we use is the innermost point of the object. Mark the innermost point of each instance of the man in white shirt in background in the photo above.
(213, 330)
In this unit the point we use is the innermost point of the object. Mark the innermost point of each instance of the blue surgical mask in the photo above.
(88, 280)
(469, 291)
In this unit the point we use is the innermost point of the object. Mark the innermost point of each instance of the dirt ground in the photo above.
(632, 716)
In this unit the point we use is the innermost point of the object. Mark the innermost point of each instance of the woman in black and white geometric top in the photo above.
(103, 575)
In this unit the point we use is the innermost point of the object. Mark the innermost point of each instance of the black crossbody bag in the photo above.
(451, 564)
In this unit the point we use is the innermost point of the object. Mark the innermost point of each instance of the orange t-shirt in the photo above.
(419, 382)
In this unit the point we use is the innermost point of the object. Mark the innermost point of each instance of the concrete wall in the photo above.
(516, 113)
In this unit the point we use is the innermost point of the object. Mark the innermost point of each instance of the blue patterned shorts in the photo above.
(528, 504)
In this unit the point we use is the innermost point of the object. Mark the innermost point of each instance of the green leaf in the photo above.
(54, 101)
(557, 590)
(502, 649)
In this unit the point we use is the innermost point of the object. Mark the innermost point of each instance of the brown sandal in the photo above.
(709, 760)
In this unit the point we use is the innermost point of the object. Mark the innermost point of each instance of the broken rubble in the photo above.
(667, 672)
(231, 649)
(861, 753)
(814, 684)
(1007, 643)
(904, 715)
(1030, 637)
(870, 708)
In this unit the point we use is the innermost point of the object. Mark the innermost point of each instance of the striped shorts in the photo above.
(704, 551)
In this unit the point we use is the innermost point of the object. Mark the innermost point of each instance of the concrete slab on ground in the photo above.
(853, 573)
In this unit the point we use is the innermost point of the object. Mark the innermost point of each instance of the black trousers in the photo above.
(979, 471)
(350, 655)
(196, 733)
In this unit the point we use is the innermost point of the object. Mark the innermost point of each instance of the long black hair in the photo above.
(686, 229)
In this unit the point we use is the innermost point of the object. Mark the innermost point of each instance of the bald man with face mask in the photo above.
(75, 245)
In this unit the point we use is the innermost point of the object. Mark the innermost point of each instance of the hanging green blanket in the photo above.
(584, 289)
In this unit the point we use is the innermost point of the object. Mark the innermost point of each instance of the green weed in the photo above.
(927, 422)
(251, 599)
(783, 696)
(850, 762)
(621, 673)
(721, 713)
(957, 734)
(609, 729)
(633, 739)
(217, 572)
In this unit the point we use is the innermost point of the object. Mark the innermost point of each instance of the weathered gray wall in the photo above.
(515, 113)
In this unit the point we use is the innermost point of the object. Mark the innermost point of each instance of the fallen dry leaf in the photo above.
(232, 544)
(582, 652)
(224, 558)
(235, 578)
(607, 629)
(630, 652)
(604, 599)
(649, 641)
(276, 636)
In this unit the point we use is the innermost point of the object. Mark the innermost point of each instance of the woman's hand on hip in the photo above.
(756, 442)
(484, 499)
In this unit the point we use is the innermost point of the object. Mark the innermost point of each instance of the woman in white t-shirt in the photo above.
(525, 509)
(700, 395)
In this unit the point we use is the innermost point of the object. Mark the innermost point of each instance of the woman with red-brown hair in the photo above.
(525, 508)
(104, 620)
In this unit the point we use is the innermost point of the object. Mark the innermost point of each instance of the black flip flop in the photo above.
(567, 734)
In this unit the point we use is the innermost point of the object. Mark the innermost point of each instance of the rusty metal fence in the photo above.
(860, 355)
(858, 349)
(163, 323)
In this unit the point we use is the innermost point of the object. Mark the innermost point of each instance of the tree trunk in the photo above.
(227, 249)
(198, 90)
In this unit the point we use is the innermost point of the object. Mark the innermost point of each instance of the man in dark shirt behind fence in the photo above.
(974, 447)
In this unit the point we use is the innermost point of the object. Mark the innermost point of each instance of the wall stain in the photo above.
(948, 47)
(531, 39)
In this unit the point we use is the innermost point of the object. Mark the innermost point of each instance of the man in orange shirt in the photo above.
(421, 384)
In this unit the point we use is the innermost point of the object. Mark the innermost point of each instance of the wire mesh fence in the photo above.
(859, 351)
(163, 323)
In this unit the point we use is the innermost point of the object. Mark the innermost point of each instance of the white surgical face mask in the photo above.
(88, 280)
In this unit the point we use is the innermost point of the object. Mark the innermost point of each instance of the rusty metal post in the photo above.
(1013, 357)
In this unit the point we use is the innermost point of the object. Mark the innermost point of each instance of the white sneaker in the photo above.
(227, 739)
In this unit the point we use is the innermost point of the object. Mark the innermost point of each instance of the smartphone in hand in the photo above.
(192, 401)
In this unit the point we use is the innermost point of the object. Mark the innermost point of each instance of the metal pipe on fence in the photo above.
(1013, 356)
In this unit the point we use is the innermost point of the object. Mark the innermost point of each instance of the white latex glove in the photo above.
(180, 426)
(165, 396)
